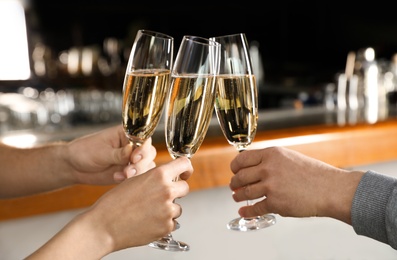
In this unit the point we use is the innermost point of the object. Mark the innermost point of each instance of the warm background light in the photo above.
(14, 53)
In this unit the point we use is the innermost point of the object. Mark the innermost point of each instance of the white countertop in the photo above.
(203, 227)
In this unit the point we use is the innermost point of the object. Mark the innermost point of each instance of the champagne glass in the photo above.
(190, 105)
(236, 108)
(146, 83)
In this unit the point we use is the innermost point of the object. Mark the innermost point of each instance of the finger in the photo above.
(249, 192)
(139, 168)
(181, 189)
(119, 177)
(246, 176)
(147, 150)
(245, 159)
(180, 167)
(177, 210)
(258, 209)
(121, 156)
(131, 170)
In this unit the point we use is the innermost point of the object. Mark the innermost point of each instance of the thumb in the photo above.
(121, 156)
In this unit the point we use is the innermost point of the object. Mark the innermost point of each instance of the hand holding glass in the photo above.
(146, 85)
(190, 105)
(236, 108)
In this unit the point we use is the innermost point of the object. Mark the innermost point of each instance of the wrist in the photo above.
(341, 189)
(90, 237)
(63, 157)
(81, 238)
(100, 238)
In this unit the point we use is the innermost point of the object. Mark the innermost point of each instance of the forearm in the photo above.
(28, 171)
(82, 238)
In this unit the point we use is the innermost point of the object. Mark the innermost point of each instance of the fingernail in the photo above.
(131, 172)
(136, 158)
(119, 177)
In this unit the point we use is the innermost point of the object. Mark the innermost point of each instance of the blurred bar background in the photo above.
(71, 57)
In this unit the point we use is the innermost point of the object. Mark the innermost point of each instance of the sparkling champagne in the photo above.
(236, 108)
(190, 110)
(143, 102)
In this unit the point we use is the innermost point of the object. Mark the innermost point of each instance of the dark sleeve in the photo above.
(374, 208)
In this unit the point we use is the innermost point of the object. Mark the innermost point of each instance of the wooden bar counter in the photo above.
(343, 146)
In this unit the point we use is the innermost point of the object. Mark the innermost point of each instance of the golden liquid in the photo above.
(189, 113)
(144, 95)
(236, 108)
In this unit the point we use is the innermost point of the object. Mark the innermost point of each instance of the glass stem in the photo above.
(135, 144)
(240, 150)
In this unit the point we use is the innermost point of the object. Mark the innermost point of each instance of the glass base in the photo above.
(249, 224)
(169, 244)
